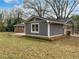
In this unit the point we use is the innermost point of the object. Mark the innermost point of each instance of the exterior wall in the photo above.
(69, 27)
(19, 29)
(56, 29)
(42, 28)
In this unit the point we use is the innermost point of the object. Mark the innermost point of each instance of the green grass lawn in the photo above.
(13, 47)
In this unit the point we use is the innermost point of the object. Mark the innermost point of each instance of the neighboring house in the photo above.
(19, 28)
(43, 27)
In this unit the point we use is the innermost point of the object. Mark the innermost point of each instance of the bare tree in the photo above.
(38, 7)
(62, 8)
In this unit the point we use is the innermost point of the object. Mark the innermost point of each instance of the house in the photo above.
(19, 28)
(43, 27)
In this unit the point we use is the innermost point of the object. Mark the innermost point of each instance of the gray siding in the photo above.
(56, 29)
(42, 28)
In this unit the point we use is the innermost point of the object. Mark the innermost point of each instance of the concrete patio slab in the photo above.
(75, 35)
(19, 34)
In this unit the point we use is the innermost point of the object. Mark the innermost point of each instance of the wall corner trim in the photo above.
(48, 29)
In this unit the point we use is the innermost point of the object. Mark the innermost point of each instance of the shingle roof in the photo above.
(58, 20)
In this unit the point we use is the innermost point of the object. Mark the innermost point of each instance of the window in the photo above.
(35, 27)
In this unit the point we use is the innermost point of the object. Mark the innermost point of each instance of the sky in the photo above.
(9, 4)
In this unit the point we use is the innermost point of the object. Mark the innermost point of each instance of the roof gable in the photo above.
(69, 22)
(34, 19)
(50, 20)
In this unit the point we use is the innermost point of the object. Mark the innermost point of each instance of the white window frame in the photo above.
(34, 31)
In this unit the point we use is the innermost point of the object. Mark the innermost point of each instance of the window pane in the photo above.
(36, 27)
(33, 29)
(33, 26)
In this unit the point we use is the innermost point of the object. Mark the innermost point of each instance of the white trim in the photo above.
(47, 21)
(33, 21)
(48, 29)
(41, 36)
(64, 31)
(69, 21)
(34, 31)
